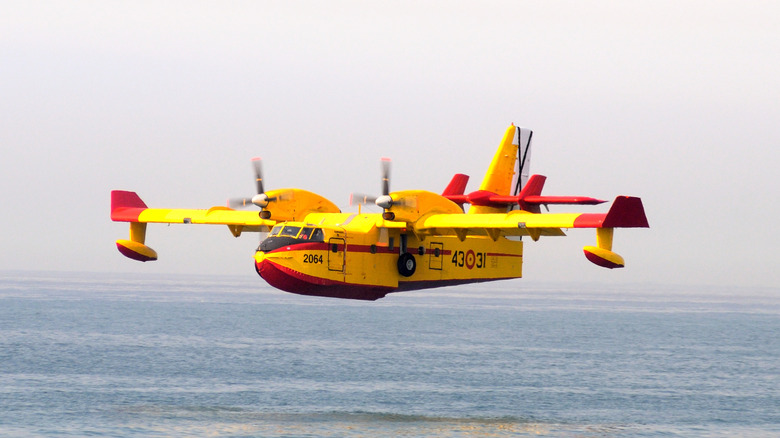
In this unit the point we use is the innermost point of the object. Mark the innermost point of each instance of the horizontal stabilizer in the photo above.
(562, 200)
(529, 199)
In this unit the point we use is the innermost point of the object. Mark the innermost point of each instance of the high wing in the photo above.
(129, 207)
(626, 212)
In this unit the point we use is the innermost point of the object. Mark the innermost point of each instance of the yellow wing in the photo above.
(128, 207)
(626, 212)
(514, 223)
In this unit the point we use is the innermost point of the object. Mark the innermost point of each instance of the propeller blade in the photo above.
(384, 199)
(361, 198)
(256, 162)
(239, 202)
(385, 176)
(260, 199)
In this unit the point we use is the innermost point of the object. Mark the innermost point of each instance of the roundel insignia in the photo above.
(470, 259)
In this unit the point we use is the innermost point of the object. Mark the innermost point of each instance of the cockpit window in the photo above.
(289, 230)
(317, 235)
(305, 233)
(285, 235)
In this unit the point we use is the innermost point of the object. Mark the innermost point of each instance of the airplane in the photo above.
(420, 240)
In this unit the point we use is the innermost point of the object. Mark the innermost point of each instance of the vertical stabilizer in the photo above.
(509, 170)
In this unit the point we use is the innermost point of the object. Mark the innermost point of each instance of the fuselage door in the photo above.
(436, 254)
(336, 251)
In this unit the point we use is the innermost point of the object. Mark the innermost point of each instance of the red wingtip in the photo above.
(256, 158)
(126, 206)
(626, 212)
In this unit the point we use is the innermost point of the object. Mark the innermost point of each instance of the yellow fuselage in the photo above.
(357, 256)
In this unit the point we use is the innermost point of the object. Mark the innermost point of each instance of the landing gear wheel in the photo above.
(406, 264)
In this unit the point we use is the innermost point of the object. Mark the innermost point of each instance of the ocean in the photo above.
(156, 356)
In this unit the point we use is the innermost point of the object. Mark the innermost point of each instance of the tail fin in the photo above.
(457, 186)
(533, 188)
(509, 170)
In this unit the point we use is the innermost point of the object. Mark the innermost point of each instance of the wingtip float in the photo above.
(419, 240)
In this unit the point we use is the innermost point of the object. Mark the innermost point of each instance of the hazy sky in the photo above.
(677, 102)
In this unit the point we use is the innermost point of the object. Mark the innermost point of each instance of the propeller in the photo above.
(261, 199)
(385, 201)
(362, 199)
(245, 202)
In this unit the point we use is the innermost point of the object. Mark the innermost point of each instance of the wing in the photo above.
(626, 212)
(128, 207)
(515, 223)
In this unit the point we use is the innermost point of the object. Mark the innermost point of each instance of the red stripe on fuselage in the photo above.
(322, 246)
(498, 254)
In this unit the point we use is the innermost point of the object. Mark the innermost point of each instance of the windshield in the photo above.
(290, 230)
(285, 235)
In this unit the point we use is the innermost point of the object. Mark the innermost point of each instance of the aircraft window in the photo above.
(317, 235)
(290, 231)
(305, 233)
(275, 230)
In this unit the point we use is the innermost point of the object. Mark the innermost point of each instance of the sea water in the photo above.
(138, 355)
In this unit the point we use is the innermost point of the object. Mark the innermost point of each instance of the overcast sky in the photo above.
(677, 102)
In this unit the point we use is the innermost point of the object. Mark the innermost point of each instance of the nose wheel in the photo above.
(406, 264)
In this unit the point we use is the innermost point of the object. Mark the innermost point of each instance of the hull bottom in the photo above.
(302, 284)
(291, 281)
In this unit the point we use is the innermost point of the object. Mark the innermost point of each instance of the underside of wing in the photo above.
(495, 225)
(211, 216)
(626, 212)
